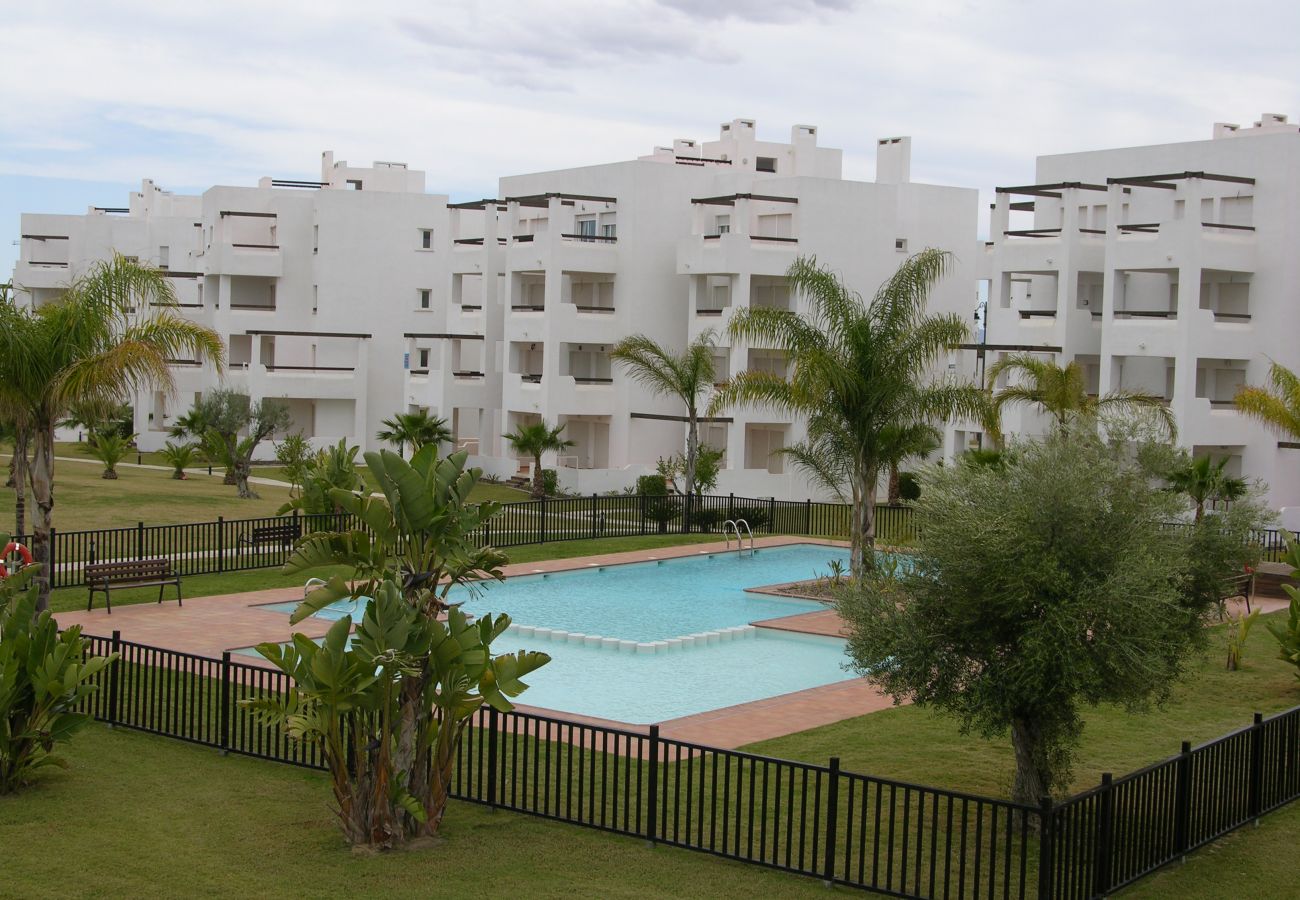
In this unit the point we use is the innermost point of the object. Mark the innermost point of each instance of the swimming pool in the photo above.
(649, 641)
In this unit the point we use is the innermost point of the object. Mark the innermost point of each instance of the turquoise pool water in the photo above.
(651, 641)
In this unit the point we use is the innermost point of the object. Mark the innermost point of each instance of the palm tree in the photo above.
(535, 439)
(1203, 479)
(112, 331)
(1278, 404)
(1063, 394)
(918, 440)
(686, 376)
(415, 428)
(859, 375)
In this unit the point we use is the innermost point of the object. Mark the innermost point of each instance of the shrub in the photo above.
(1238, 631)
(550, 482)
(179, 457)
(45, 675)
(755, 516)
(652, 485)
(294, 453)
(110, 448)
(708, 519)
(909, 488)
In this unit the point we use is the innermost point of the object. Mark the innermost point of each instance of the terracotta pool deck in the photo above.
(208, 626)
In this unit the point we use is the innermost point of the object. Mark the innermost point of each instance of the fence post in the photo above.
(139, 540)
(112, 679)
(221, 543)
(641, 498)
(652, 802)
(1105, 830)
(209, 470)
(731, 505)
(543, 526)
(492, 758)
(832, 820)
(593, 515)
(225, 703)
(1183, 800)
(54, 557)
(1256, 767)
(1046, 847)
(807, 506)
(771, 514)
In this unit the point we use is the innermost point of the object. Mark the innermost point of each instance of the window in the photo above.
(900, 244)
(426, 298)
(722, 224)
(765, 164)
(426, 238)
(587, 226)
(424, 357)
(315, 298)
(354, 184)
(315, 239)
(164, 257)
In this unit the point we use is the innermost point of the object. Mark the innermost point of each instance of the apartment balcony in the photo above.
(583, 395)
(1144, 333)
(1147, 245)
(259, 260)
(1215, 422)
(522, 391)
(576, 252)
(440, 389)
(41, 274)
(310, 381)
(733, 253)
(1046, 249)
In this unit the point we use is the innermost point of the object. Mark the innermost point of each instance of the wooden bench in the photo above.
(130, 573)
(1242, 585)
(285, 535)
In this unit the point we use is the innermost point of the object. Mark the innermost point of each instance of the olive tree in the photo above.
(1037, 590)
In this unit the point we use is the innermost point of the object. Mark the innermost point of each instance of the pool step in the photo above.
(686, 642)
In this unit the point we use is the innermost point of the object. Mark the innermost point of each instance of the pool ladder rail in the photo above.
(740, 540)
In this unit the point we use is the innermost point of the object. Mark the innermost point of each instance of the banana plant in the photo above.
(349, 700)
(45, 676)
(1287, 634)
(420, 529)
(389, 708)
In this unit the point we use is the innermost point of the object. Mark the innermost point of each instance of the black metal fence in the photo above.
(884, 835)
(234, 545)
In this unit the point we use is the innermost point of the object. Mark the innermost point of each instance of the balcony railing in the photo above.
(467, 374)
(1226, 225)
(773, 239)
(593, 309)
(578, 380)
(1038, 314)
(1146, 314)
(528, 307)
(257, 246)
(311, 368)
(591, 238)
(531, 379)
(1140, 228)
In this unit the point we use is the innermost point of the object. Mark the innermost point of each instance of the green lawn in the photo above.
(83, 500)
(140, 815)
(918, 745)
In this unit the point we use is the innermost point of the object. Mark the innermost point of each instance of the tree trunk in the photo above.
(862, 528)
(1200, 510)
(242, 471)
(895, 493)
(539, 484)
(109, 475)
(21, 476)
(43, 494)
(230, 477)
(692, 448)
(1033, 777)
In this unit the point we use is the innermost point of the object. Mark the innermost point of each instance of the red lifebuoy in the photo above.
(11, 548)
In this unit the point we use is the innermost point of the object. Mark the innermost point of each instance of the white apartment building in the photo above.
(1170, 269)
(360, 295)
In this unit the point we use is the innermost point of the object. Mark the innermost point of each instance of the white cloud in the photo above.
(205, 93)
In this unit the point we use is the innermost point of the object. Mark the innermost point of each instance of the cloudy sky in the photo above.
(96, 96)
